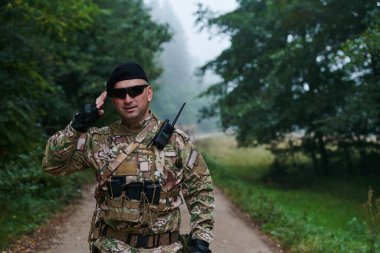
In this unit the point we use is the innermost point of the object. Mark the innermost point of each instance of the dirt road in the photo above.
(232, 233)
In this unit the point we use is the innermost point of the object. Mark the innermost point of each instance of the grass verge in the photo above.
(322, 215)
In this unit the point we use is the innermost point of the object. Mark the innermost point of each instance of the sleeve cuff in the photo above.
(204, 235)
(74, 132)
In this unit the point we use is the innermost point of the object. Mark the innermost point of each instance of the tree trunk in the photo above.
(348, 160)
(292, 153)
(316, 165)
(309, 146)
(324, 156)
(363, 160)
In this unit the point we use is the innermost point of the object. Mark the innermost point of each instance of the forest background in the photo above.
(300, 79)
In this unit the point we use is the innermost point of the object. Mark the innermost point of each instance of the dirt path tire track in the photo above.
(232, 232)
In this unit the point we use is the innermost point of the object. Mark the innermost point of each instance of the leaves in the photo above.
(310, 66)
(55, 57)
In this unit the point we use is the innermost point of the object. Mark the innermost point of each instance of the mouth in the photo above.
(129, 108)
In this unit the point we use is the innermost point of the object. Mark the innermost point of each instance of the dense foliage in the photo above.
(308, 69)
(54, 57)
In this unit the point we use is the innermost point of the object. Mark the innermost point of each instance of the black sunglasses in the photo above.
(133, 91)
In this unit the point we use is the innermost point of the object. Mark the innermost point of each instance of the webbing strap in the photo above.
(123, 203)
(147, 241)
(160, 161)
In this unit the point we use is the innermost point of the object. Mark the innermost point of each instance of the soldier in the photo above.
(139, 185)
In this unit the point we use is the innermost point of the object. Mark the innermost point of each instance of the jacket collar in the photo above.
(119, 128)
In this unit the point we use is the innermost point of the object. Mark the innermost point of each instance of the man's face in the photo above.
(133, 109)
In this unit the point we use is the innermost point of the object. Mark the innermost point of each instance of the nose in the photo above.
(128, 98)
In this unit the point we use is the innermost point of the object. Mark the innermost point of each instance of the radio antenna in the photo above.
(176, 117)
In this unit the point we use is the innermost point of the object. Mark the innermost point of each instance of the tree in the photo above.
(56, 56)
(290, 68)
(32, 31)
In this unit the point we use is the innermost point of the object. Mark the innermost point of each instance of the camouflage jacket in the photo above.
(182, 169)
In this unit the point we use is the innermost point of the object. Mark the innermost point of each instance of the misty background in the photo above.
(189, 48)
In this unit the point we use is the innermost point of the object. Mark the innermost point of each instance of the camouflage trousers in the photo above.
(110, 245)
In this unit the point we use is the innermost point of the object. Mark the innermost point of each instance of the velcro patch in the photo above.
(127, 168)
(170, 153)
(81, 142)
(144, 166)
(192, 158)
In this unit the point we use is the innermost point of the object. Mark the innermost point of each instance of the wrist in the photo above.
(83, 120)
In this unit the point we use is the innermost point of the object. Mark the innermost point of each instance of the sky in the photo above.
(200, 47)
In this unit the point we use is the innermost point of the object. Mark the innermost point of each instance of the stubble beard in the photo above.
(134, 118)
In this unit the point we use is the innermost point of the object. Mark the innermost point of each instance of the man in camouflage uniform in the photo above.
(139, 185)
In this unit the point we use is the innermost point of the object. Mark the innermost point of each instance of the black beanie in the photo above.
(126, 71)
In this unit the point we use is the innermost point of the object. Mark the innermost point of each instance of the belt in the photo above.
(142, 241)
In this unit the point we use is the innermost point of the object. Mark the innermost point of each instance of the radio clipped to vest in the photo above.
(163, 135)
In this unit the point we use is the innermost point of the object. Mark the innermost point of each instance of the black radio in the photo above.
(163, 135)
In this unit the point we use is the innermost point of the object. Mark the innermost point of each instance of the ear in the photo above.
(150, 93)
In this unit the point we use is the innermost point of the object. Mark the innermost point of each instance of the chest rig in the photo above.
(142, 182)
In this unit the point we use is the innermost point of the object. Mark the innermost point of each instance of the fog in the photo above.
(199, 44)
(189, 49)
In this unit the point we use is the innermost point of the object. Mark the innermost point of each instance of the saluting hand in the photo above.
(100, 102)
(91, 112)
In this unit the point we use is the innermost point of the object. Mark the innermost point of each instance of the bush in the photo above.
(30, 196)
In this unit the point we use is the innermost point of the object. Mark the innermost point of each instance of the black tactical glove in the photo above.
(85, 119)
(199, 246)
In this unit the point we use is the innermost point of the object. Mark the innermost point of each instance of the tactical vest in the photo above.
(144, 186)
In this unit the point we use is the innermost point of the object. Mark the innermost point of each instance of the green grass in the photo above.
(318, 215)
